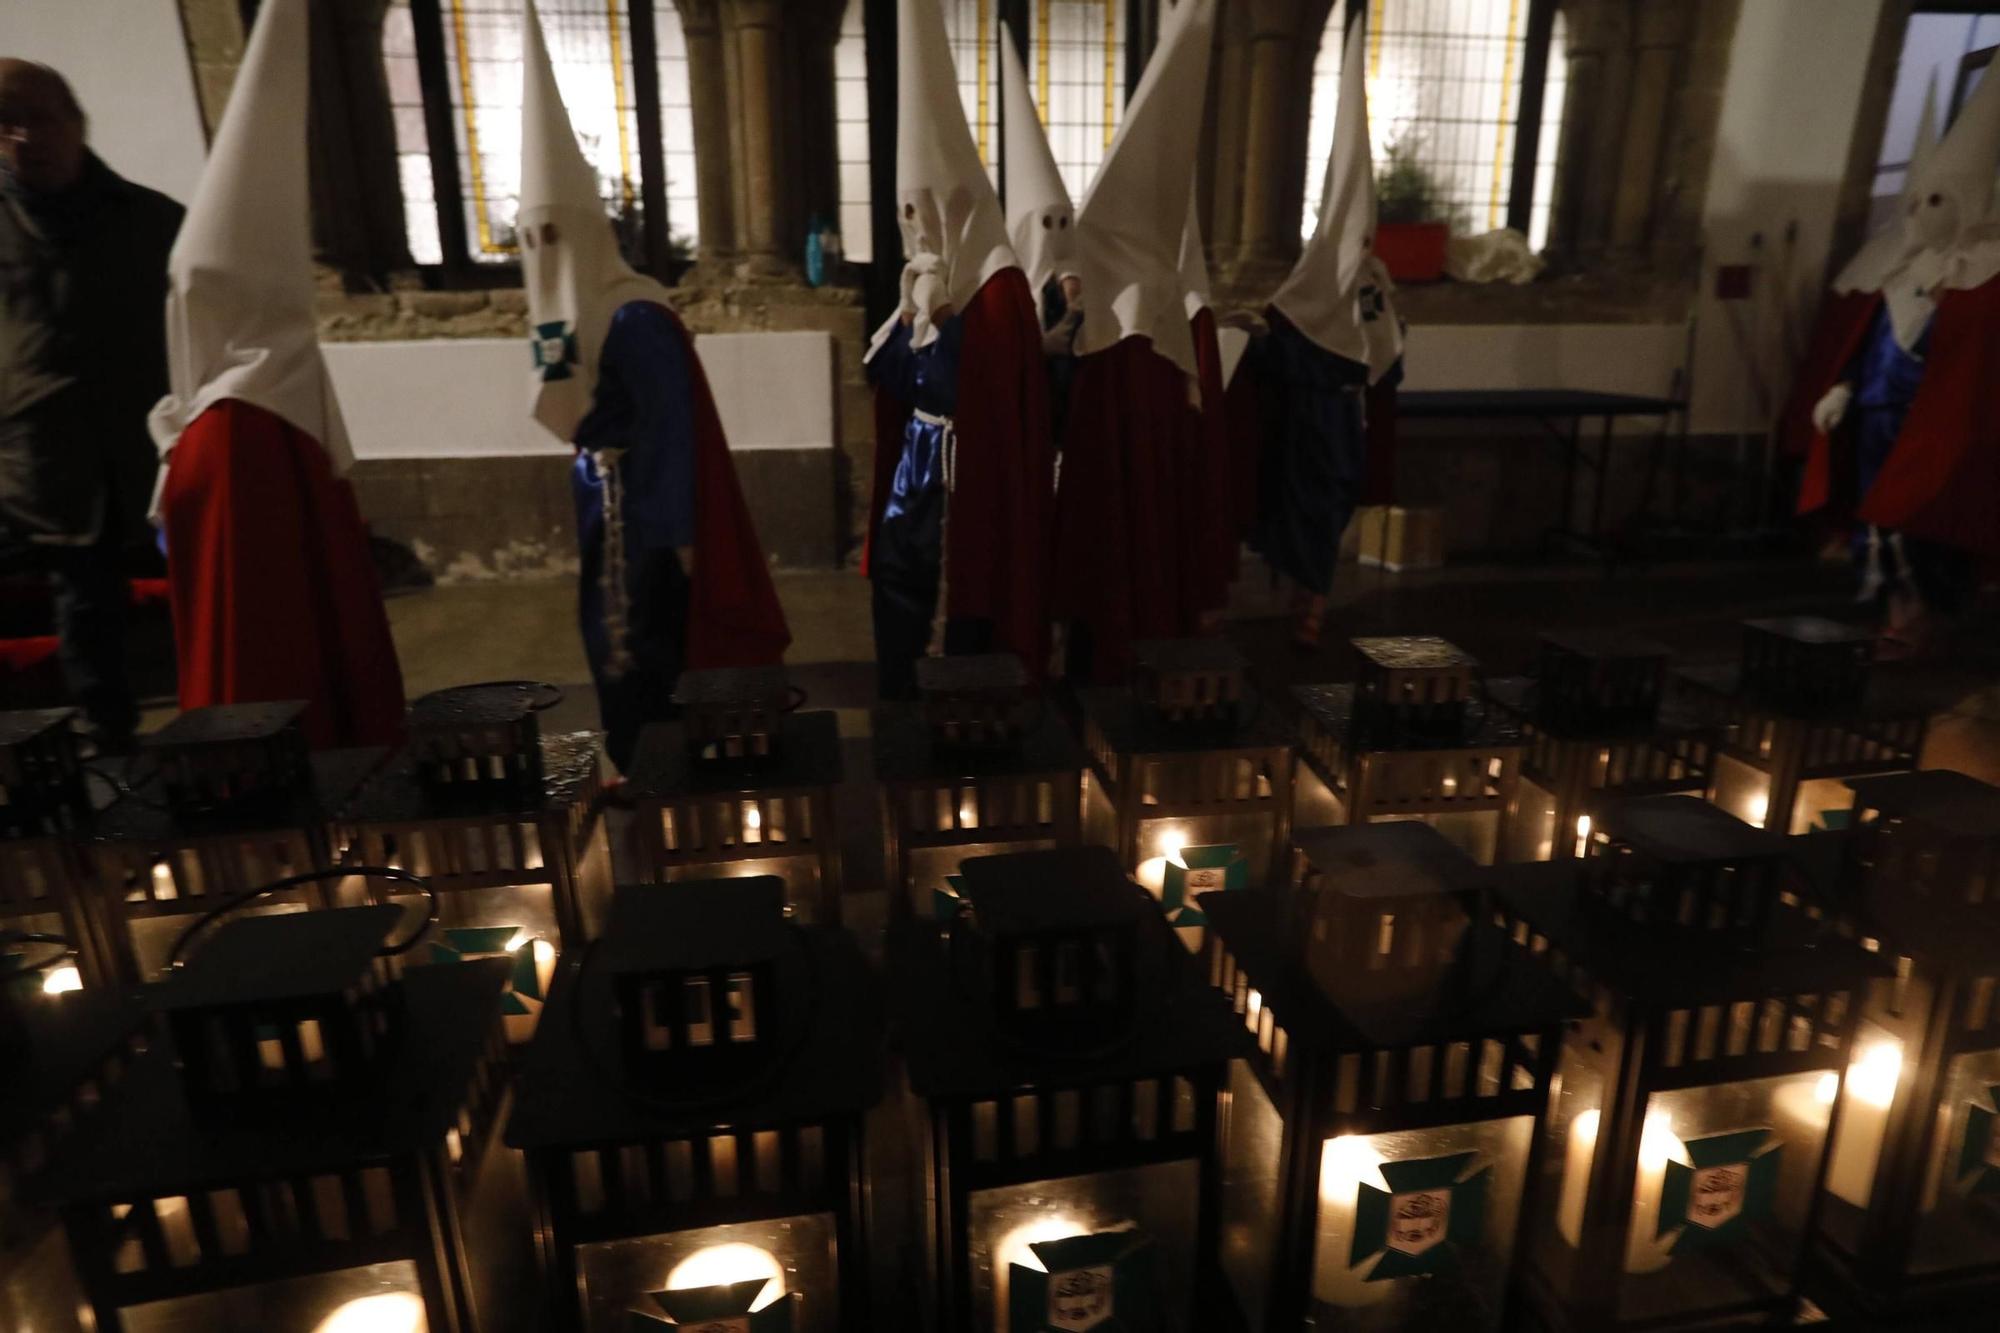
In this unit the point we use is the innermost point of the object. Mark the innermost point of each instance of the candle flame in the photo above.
(722, 1265)
(1873, 1075)
(1760, 809)
(390, 1312)
(61, 979)
(1346, 1163)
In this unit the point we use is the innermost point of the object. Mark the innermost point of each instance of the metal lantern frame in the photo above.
(1466, 1035)
(1801, 713)
(44, 810)
(1595, 727)
(1410, 738)
(221, 801)
(306, 1184)
(1705, 976)
(625, 1143)
(1919, 872)
(1087, 1092)
(720, 801)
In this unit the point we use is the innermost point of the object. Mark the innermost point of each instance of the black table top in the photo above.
(146, 1139)
(1531, 403)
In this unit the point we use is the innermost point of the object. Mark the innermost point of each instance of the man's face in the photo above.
(41, 130)
(1072, 288)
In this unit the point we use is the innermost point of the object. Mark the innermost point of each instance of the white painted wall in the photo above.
(1789, 107)
(468, 398)
(1609, 358)
(128, 61)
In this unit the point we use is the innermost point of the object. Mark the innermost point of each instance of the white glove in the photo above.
(1831, 409)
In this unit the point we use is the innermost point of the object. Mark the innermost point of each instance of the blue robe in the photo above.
(642, 405)
(905, 563)
(1315, 453)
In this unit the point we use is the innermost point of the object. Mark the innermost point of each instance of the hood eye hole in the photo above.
(549, 233)
(910, 211)
(1937, 201)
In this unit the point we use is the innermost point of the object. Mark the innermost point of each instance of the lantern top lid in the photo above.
(1131, 729)
(1606, 644)
(337, 776)
(227, 723)
(1207, 653)
(1950, 801)
(722, 687)
(695, 924)
(1811, 630)
(22, 725)
(398, 793)
(1330, 708)
(1413, 652)
(973, 673)
(1685, 830)
(280, 956)
(497, 705)
(1068, 888)
(805, 753)
(905, 751)
(1399, 859)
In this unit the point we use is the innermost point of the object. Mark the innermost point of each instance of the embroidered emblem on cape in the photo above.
(555, 350)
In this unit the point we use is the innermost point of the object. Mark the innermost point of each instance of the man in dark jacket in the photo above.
(83, 275)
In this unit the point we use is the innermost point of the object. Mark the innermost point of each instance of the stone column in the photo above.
(1275, 98)
(755, 28)
(714, 155)
(1593, 136)
(1658, 64)
(813, 157)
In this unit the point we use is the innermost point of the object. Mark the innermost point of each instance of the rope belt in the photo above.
(611, 578)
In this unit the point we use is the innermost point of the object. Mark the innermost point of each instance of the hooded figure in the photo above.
(1328, 369)
(274, 594)
(673, 575)
(964, 462)
(1040, 221)
(1917, 390)
(1136, 499)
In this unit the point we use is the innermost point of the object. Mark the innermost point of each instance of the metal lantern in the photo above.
(1383, 1132)
(1188, 771)
(299, 1152)
(976, 769)
(1688, 1137)
(1410, 739)
(1595, 728)
(504, 824)
(742, 785)
(1066, 1064)
(1799, 716)
(691, 1114)
(1910, 1221)
(44, 808)
(220, 801)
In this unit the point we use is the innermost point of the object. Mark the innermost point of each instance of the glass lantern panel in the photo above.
(153, 937)
(930, 865)
(1865, 1099)
(1725, 1176)
(800, 873)
(1531, 823)
(617, 1275)
(1251, 1210)
(379, 1296)
(1416, 1227)
(1741, 790)
(1474, 832)
(1250, 833)
(1159, 1200)
(1822, 803)
(1314, 804)
(1958, 1225)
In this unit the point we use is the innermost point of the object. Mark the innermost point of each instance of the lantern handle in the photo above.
(543, 695)
(389, 874)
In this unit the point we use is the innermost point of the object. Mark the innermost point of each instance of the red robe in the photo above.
(1828, 480)
(1207, 506)
(1941, 482)
(997, 532)
(1128, 567)
(274, 593)
(734, 619)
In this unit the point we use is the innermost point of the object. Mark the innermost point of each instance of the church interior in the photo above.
(998, 666)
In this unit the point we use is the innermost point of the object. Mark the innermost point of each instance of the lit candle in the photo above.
(1346, 1164)
(1582, 835)
(163, 880)
(723, 1265)
(545, 964)
(1757, 809)
(1799, 1112)
(1864, 1121)
(1013, 1249)
(1645, 1250)
(390, 1312)
(1152, 873)
(753, 822)
(60, 979)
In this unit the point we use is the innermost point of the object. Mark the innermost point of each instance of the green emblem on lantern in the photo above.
(949, 900)
(1728, 1182)
(1431, 1213)
(555, 350)
(1200, 870)
(460, 944)
(1108, 1281)
(719, 1309)
(1979, 1156)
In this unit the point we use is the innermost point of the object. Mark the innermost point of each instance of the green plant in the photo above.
(1407, 191)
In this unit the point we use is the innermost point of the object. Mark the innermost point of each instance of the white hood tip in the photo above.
(1041, 222)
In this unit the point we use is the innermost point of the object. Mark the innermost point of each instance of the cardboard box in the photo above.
(1415, 537)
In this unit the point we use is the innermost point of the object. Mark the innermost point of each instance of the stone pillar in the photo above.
(1594, 120)
(1266, 69)
(1657, 64)
(357, 194)
(215, 48)
(813, 159)
(755, 29)
(714, 155)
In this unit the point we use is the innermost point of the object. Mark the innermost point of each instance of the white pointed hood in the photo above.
(1194, 262)
(1339, 294)
(1891, 244)
(954, 232)
(1130, 229)
(576, 278)
(240, 318)
(1041, 223)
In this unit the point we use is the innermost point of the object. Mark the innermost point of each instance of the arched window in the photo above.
(456, 65)
(1446, 80)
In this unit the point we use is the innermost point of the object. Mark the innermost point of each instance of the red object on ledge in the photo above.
(1413, 251)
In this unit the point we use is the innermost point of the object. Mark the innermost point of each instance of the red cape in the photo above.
(1128, 566)
(1208, 506)
(274, 594)
(1828, 480)
(734, 619)
(997, 529)
(1941, 482)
